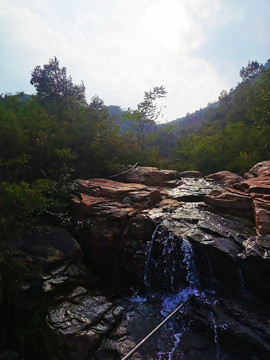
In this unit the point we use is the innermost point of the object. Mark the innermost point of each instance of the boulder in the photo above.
(150, 176)
(225, 177)
(86, 205)
(47, 247)
(79, 323)
(260, 169)
(231, 201)
(262, 215)
(103, 197)
(109, 189)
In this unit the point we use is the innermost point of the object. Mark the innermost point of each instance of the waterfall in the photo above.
(170, 278)
(215, 335)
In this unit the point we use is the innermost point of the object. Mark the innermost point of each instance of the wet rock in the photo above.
(193, 190)
(70, 274)
(77, 325)
(225, 177)
(236, 329)
(151, 176)
(219, 244)
(139, 320)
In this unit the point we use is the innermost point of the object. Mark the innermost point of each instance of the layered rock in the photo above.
(193, 246)
(103, 197)
(245, 198)
(225, 177)
(45, 265)
(150, 176)
(78, 324)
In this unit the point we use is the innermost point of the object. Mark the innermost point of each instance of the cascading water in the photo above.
(170, 278)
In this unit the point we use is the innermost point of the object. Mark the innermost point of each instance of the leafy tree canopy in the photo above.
(53, 84)
(146, 115)
(251, 71)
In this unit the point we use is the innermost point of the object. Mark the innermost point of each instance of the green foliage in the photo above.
(21, 205)
(54, 87)
(235, 135)
(144, 118)
(252, 70)
(259, 100)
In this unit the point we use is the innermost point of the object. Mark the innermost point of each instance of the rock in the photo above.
(47, 247)
(231, 201)
(192, 190)
(258, 188)
(225, 177)
(86, 205)
(214, 239)
(77, 325)
(260, 169)
(109, 189)
(67, 276)
(150, 176)
(190, 174)
(238, 330)
(103, 197)
(262, 216)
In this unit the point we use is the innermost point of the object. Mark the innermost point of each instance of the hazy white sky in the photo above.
(121, 48)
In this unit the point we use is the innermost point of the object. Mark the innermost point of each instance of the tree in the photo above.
(259, 100)
(53, 85)
(145, 117)
(251, 71)
(96, 104)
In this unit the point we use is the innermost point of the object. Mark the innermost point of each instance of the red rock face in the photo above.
(108, 188)
(225, 177)
(103, 197)
(150, 176)
(262, 216)
(261, 169)
(227, 198)
(252, 193)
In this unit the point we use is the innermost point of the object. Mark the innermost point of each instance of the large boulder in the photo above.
(225, 177)
(150, 176)
(103, 197)
(260, 169)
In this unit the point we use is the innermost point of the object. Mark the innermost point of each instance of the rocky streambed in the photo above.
(147, 243)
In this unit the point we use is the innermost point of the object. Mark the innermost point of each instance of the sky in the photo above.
(122, 48)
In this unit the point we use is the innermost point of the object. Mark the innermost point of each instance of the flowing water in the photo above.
(167, 291)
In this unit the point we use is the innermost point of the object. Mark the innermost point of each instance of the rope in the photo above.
(155, 330)
(124, 172)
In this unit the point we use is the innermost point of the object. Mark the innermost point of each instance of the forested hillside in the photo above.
(233, 135)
